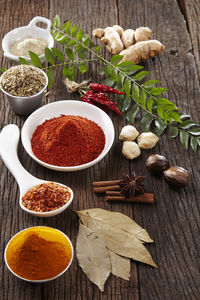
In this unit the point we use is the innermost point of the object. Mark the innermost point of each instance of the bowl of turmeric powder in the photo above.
(68, 135)
(39, 254)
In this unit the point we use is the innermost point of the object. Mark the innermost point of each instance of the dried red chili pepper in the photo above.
(96, 87)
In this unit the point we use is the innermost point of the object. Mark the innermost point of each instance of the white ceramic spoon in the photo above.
(9, 138)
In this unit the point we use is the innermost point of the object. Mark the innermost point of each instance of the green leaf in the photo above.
(172, 131)
(127, 102)
(198, 141)
(69, 53)
(145, 123)
(184, 139)
(160, 127)
(107, 70)
(160, 111)
(67, 73)
(133, 69)
(79, 35)
(175, 116)
(56, 21)
(83, 68)
(35, 59)
(167, 103)
(108, 81)
(141, 75)
(23, 61)
(158, 91)
(132, 113)
(71, 43)
(125, 65)
(49, 56)
(113, 74)
(50, 76)
(102, 72)
(193, 143)
(73, 30)
(151, 83)
(81, 52)
(187, 124)
(127, 87)
(184, 116)
(67, 27)
(135, 92)
(143, 98)
(195, 131)
(74, 73)
(98, 48)
(116, 59)
(150, 104)
(58, 54)
(120, 81)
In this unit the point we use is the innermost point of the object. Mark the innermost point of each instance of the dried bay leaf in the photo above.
(93, 256)
(117, 220)
(120, 266)
(117, 233)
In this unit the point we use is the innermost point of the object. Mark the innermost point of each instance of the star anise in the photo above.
(131, 185)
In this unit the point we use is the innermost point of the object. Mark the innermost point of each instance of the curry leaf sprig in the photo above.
(159, 113)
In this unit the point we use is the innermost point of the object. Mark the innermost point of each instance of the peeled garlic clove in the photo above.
(128, 133)
(130, 150)
(177, 177)
(147, 140)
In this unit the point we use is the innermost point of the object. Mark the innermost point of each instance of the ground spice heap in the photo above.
(22, 80)
(33, 257)
(68, 141)
(46, 197)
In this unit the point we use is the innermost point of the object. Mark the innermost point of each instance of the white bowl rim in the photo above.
(27, 97)
(72, 168)
(42, 280)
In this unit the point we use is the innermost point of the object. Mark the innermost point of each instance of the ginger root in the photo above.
(142, 51)
(112, 40)
(135, 45)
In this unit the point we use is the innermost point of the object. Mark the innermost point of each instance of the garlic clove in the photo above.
(177, 177)
(128, 133)
(130, 150)
(147, 140)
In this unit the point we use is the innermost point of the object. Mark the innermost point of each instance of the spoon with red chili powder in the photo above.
(38, 197)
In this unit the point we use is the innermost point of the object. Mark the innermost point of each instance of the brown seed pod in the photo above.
(177, 177)
(157, 163)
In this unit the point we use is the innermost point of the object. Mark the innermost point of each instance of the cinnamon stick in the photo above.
(145, 198)
(103, 189)
(105, 183)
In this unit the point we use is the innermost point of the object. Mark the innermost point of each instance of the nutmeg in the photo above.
(157, 163)
(177, 177)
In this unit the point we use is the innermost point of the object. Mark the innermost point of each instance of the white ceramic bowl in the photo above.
(30, 30)
(68, 107)
(43, 228)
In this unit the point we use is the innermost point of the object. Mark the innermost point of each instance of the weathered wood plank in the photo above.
(174, 221)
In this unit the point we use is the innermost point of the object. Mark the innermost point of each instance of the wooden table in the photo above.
(174, 221)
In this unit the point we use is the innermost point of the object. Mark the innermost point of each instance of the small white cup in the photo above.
(21, 33)
(25, 105)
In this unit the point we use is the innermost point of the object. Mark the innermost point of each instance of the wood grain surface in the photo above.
(174, 221)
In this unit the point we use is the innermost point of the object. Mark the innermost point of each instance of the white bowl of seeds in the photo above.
(24, 86)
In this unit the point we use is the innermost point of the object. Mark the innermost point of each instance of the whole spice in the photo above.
(38, 253)
(128, 133)
(22, 80)
(46, 197)
(96, 87)
(68, 141)
(130, 150)
(131, 185)
(177, 177)
(147, 140)
(157, 163)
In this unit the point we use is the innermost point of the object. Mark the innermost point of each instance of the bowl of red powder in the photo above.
(68, 135)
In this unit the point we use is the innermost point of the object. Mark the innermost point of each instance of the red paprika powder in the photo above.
(68, 141)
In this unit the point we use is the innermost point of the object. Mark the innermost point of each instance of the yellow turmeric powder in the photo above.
(38, 253)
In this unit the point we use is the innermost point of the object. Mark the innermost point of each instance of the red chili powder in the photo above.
(68, 141)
